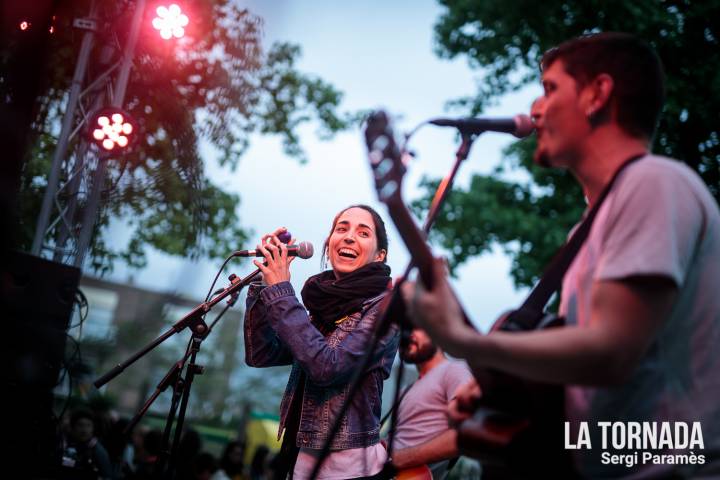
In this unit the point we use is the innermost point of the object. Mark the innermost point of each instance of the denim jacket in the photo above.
(278, 332)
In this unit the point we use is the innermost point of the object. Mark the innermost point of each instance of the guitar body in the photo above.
(517, 430)
(416, 473)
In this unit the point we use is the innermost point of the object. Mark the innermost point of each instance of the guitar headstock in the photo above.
(385, 158)
(388, 167)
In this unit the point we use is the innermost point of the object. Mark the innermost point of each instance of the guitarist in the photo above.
(423, 436)
(640, 298)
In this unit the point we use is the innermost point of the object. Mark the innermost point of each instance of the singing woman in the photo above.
(325, 338)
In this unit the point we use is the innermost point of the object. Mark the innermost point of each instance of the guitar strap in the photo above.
(530, 313)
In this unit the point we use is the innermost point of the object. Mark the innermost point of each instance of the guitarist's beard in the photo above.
(420, 354)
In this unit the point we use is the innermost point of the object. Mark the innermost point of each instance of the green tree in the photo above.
(217, 86)
(530, 219)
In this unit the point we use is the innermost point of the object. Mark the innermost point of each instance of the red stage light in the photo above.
(24, 25)
(112, 129)
(170, 22)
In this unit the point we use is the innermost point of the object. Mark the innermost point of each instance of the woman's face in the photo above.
(353, 242)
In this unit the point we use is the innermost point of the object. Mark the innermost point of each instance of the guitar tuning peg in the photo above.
(388, 190)
(376, 156)
(380, 143)
(407, 155)
(383, 168)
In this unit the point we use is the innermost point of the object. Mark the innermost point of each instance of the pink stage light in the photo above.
(112, 129)
(170, 21)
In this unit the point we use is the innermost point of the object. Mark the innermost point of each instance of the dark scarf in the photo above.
(329, 299)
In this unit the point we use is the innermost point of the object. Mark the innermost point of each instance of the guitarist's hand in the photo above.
(463, 404)
(437, 311)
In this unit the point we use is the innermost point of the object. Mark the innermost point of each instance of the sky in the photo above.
(380, 55)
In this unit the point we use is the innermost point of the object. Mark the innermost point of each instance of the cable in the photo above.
(210, 292)
(404, 147)
(68, 372)
(82, 306)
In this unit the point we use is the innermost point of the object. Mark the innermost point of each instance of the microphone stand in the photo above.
(396, 304)
(181, 390)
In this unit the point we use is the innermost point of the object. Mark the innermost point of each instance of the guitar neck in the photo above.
(415, 242)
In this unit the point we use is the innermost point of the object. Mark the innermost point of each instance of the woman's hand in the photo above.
(276, 267)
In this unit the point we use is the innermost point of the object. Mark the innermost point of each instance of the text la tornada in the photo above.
(637, 435)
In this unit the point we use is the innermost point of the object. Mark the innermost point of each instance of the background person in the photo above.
(423, 436)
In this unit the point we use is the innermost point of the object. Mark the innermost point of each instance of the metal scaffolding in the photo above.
(72, 198)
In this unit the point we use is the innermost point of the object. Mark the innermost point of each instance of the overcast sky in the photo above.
(380, 54)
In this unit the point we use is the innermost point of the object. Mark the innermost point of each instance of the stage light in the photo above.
(26, 25)
(112, 129)
(170, 22)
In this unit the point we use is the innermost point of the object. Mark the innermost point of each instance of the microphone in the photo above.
(519, 125)
(302, 250)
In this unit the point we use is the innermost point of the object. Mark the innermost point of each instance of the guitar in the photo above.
(517, 427)
(415, 473)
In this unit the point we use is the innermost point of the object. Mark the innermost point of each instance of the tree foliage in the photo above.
(215, 87)
(530, 219)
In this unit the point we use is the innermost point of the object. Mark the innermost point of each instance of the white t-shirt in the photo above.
(658, 220)
(341, 464)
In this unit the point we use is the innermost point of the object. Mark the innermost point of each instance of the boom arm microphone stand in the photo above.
(181, 390)
(385, 321)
